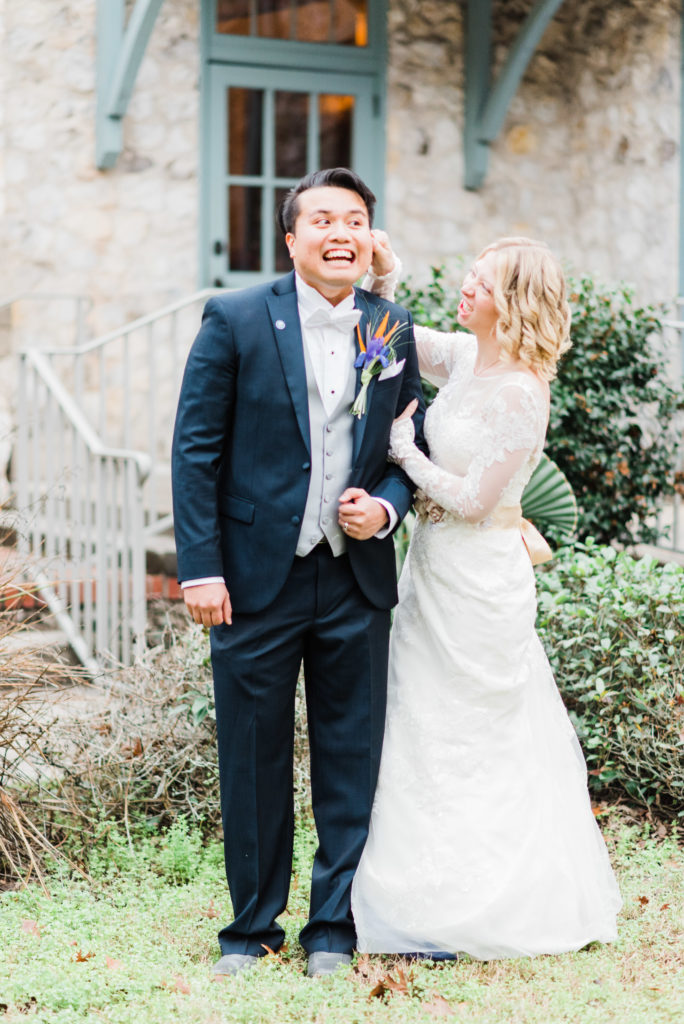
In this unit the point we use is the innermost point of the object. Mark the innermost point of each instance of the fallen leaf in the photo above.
(438, 1007)
(665, 906)
(271, 952)
(133, 749)
(402, 982)
(363, 965)
(378, 991)
(388, 983)
(81, 958)
(113, 964)
(210, 911)
(31, 928)
(643, 900)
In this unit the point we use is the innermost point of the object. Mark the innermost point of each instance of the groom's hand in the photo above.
(361, 516)
(209, 604)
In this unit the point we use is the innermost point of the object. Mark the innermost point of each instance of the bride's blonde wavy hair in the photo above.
(533, 323)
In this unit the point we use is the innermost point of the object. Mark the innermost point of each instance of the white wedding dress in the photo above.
(482, 837)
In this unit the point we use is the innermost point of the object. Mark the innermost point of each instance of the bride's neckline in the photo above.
(489, 373)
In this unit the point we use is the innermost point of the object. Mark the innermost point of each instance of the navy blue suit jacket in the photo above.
(241, 450)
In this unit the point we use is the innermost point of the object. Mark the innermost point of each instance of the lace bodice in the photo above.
(485, 433)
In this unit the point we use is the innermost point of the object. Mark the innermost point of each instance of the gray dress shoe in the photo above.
(233, 963)
(323, 963)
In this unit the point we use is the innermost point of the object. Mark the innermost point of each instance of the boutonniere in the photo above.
(377, 353)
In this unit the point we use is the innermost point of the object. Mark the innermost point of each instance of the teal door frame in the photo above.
(270, 63)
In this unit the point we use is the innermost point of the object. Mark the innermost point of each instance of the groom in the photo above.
(284, 507)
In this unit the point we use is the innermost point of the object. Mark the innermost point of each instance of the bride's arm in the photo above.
(517, 427)
(437, 350)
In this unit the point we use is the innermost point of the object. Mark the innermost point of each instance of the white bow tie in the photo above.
(344, 320)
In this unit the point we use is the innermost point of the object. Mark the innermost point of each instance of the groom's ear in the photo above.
(290, 242)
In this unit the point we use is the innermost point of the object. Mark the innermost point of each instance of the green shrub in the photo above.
(433, 306)
(612, 428)
(180, 855)
(613, 628)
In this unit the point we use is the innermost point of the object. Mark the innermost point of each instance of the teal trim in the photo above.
(290, 53)
(477, 78)
(119, 55)
(293, 53)
(487, 104)
(136, 38)
(108, 131)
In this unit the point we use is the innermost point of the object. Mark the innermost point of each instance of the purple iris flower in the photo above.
(376, 349)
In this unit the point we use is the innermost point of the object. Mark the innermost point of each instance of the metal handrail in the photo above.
(89, 495)
(73, 413)
(134, 325)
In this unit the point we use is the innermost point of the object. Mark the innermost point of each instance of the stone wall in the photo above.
(588, 158)
(126, 237)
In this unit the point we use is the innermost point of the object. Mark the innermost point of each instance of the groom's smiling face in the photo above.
(331, 245)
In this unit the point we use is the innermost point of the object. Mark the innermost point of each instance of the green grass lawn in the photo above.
(134, 944)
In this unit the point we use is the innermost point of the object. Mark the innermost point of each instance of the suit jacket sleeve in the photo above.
(202, 424)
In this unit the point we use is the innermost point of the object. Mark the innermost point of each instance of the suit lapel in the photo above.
(284, 313)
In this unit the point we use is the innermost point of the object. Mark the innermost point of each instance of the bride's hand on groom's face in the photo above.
(383, 257)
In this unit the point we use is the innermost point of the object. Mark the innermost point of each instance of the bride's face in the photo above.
(476, 310)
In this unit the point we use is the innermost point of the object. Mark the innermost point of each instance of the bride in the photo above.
(482, 837)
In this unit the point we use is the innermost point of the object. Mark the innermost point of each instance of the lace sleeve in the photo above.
(440, 354)
(386, 285)
(514, 427)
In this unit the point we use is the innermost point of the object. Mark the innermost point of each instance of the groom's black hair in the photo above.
(336, 177)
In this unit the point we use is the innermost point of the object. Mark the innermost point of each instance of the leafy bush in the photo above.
(433, 306)
(613, 428)
(612, 627)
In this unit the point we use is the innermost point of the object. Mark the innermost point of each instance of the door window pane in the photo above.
(245, 133)
(232, 17)
(291, 116)
(335, 123)
(244, 218)
(281, 260)
(274, 19)
(351, 22)
(314, 21)
(344, 22)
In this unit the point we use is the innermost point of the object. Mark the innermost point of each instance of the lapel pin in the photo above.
(280, 324)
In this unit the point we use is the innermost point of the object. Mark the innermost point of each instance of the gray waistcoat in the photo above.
(331, 457)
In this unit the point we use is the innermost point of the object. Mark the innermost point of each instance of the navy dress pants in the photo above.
(321, 618)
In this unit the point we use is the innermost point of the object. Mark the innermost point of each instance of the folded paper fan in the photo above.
(548, 499)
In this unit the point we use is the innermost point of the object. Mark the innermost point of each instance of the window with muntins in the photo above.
(290, 86)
